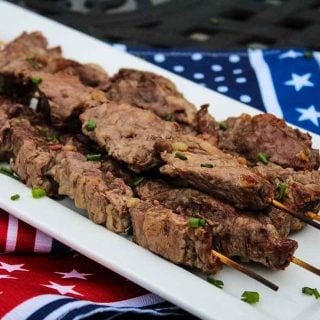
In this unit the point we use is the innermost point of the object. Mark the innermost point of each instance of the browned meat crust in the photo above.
(250, 236)
(168, 234)
(149, 91)
(128, 134)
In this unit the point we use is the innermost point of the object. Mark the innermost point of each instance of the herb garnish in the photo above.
(94, 157)
(38, 193)
(216, 282)
(250, 297)
(311, 292)
(36, 80)
(170, 117)
(91, 125)
(8, 172)
(223, 125)
(308, 54)
(206, 165)
(15, 197)
(282, 189)
(262, 157)
(137, 181)
(180, 156)
(196, 222)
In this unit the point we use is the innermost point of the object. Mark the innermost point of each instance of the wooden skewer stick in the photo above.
(302, 217)
(305, 265)
(244, 270)
(313, 215)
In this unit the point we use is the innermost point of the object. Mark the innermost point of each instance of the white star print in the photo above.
(290, 54)
(310, 114)
(62, 289)
(75, 274)
(5, 276)
(298, 82)
(12, 267)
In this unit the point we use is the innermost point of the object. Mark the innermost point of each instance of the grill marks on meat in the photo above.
(228, 179)
(128, 134)
(101, 194)
(167, 234)
(147, 90)
(30, 155)
(250, 236)
(247, 136)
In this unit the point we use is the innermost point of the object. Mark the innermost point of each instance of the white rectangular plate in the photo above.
(126, 258)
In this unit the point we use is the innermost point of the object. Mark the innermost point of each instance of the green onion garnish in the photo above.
(137, 181)
(206, 165)
(308, 54)
(33, 63)
(8, 172)
(262, 157)
(94, 157)
(223, 125)
(180, 155)
(216, 282)
(15, 197)
(250, 297)
(38, 193)
(311, 292)
(91, 125)
(36, 80)
(196, 222)
(282, 189)
(170, 117)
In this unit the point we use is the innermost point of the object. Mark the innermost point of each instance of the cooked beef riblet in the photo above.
(247, 136)
(250, 236)
(128, 134)
(30, 154)
(101, 194)
(225, 178)
(29, 52)
(147, 90)
(168, 234)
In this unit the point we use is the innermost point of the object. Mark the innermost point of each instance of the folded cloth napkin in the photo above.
(62, 284)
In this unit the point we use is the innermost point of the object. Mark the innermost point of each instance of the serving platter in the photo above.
(188, 290)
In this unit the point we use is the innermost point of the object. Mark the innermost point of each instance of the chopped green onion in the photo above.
(33, 63)
(91, 125)
(52, 138)
(180, 155)
(8, 172)
(250, 297)
(308, 54)
(38, 193)
(311, 292)
(262, 157)
(196, 222)
(15, 197)
(94, 157)
(214, 21)
(223, 125)
(282, 189)
(36, 80)
(137, 181)
(170, 117)
(206, 165)
(216, 282)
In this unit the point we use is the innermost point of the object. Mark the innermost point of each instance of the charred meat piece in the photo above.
(220, 175)
(167, 234)
(128, 134)
(147, 90)
(29, 52)
(100, 193)
(250, 236)
(30, 154)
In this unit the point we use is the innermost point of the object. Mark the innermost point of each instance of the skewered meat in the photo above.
(247, 136)
(147, 90)
(250, 236)
(168, 234)
(128, 134)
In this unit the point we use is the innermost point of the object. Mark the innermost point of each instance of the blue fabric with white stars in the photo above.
(292, 77)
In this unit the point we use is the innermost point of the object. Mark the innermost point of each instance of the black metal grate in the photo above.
(206, 24)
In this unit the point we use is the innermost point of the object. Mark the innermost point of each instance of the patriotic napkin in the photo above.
(40, 278)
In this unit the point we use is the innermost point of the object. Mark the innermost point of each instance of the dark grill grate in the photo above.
(207, 24)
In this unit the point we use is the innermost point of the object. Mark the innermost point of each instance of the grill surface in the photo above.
(206, 24)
